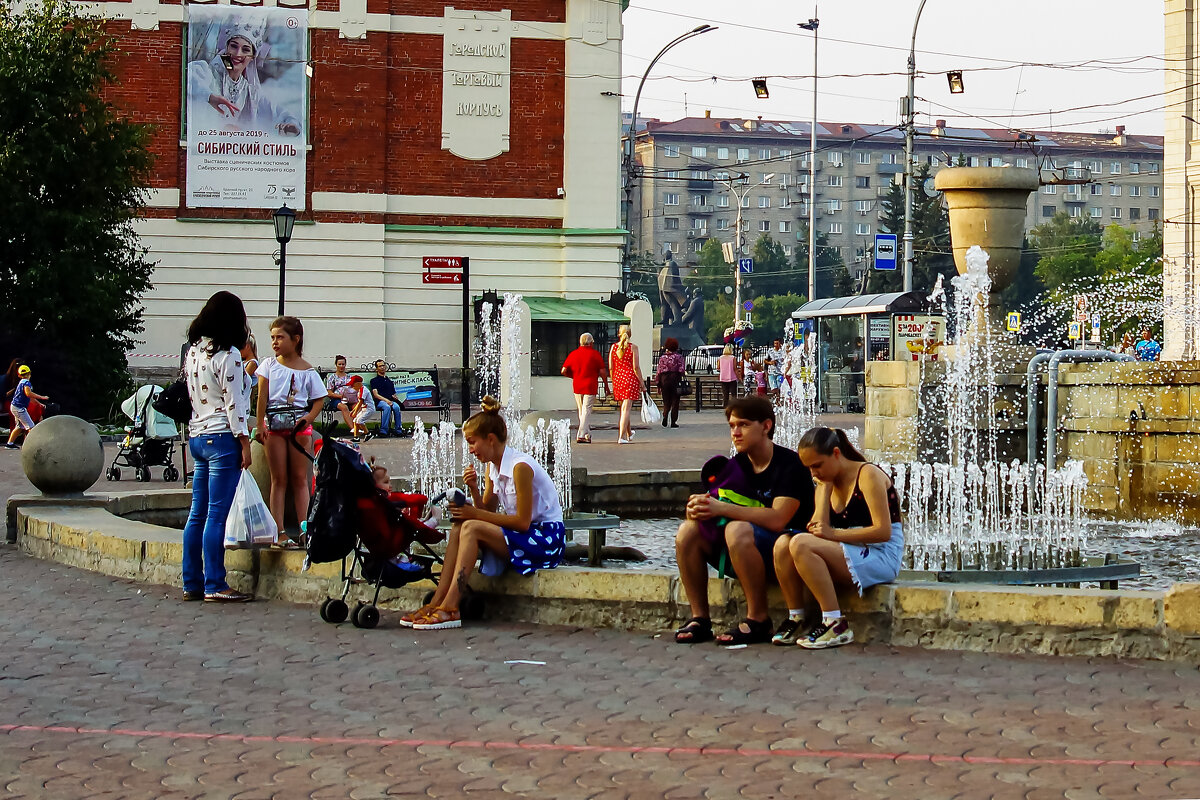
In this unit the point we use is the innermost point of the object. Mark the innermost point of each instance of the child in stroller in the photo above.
(149, 441)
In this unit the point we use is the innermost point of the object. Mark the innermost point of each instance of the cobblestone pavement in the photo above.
(109, 689)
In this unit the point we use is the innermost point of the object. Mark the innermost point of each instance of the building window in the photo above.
(671, 199)
(835, 227)
(862, 157)
(671, 174)
(995, 162)
(973, 161)
(1153, 168)
(1135, 191)
(1114, 168)
(787, 249)
(1135, 168)
(671, 247)
(746, 201)
(723, 224)
(835, 205)
(1114, 189)
(699, 152)
(723, 201)
(1154, 190)
(834, 159)
(786, 202)
(743, 154)
(1075, 211)
(1135, 214)
(671, 223)
(786, 155)
(700, 200)
(862, 206)
(890, 158)
(764, 202)
(722, 152)
(862, 182)
(1096, 167)
(1023, 163)
(1115, 213)
(785, 226)
(1050, 188)
(932, 161)
(671, 151)
(1047, 211)
(764, 152)
(1096, 188)
(1096, 212)
(721, 175)
(745, 225)
(699, 224)
(862, 229)
(764, 226)
(1151, 213)
(835, 180)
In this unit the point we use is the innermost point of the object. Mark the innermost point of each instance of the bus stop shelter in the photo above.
(850, 331)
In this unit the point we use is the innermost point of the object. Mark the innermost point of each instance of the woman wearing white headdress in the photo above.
(230, 83)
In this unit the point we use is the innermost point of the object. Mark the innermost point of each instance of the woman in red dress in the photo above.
(626, 378)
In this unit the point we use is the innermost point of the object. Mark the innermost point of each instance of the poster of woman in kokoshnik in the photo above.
(246, 105)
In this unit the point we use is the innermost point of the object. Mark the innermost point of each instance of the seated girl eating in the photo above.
(515, 521)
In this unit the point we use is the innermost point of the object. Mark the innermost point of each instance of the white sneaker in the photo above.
(827, 635)
(622, 441)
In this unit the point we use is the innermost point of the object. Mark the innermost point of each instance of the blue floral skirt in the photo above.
(540, 547)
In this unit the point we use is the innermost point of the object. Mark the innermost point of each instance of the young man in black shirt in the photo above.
(783, 485)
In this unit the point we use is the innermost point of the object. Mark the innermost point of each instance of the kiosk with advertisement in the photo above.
(874, 327)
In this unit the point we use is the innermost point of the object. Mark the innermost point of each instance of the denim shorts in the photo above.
(764, 542)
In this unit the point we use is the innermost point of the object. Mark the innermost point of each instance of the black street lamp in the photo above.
(284, 219)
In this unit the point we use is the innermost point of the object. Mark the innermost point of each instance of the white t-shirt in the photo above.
(219, 389)
(290, 387)
(546, 507)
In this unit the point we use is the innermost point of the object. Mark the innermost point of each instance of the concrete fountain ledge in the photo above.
(95, 533)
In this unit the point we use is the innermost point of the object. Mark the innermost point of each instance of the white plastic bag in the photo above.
(650, 413)
(249, 523)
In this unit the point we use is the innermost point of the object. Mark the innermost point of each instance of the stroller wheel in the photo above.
(333, 610)
(366, 617)
(170, 474)
(113, 473)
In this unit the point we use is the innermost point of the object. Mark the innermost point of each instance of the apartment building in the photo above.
(682, 200)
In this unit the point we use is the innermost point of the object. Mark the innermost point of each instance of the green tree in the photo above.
(932, 255)
(72, 173)
(832, 278)
(1066, 248)
(774, 271)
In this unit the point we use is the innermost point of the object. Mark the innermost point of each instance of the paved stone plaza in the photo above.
(109, 689)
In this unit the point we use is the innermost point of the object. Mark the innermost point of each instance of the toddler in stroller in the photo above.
(149, 441)
(354, 516)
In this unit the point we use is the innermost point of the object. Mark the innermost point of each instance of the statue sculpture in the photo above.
(670, 291)
(693, 316)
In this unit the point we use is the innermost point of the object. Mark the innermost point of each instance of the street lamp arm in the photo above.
(637, 98)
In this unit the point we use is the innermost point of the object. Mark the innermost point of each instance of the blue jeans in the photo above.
(218, 461)
(389, 417)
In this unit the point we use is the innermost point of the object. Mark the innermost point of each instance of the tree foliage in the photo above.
(932, 255)
(72, 173)
(832, 278)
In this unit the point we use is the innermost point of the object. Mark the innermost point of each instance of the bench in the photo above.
(417, 390)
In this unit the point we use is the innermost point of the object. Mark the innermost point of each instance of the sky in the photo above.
(1101, 53)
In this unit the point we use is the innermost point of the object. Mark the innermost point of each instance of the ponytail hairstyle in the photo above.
(622, 340)
(293, 328)
(487, 421)
(823, 440)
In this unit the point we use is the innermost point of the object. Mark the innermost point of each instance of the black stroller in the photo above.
(350, 519)
(149, 441)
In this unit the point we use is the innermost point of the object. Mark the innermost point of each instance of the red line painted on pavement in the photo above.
(744, 752)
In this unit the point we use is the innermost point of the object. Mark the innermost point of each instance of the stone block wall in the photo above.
(1136, 429)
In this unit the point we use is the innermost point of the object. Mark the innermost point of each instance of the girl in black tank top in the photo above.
(842, 549)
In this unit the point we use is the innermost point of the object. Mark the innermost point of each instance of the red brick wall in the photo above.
(375, 110)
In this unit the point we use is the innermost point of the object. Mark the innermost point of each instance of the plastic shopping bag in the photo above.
(249, 523)
(650, 413)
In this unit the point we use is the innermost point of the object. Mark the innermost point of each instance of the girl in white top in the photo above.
(516, 520)
(288, 381)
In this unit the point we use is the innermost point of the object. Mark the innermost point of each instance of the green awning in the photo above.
(556, 309)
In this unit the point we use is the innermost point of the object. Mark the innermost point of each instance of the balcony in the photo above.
(700, 184)
(889, 169)
(701, 210)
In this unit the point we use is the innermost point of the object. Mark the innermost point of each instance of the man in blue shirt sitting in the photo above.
(1146, 348)
(384, 393)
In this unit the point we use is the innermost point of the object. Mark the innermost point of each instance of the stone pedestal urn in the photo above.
(987, 208)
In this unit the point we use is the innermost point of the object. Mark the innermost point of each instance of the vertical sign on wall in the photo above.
(246, 109)
(476, 72)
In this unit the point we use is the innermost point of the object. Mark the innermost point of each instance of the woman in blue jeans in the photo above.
(218, 439)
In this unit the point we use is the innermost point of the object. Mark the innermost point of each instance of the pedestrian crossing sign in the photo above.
(1014, 321)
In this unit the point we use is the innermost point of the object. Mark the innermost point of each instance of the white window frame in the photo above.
(1114, 190)
(1096, 212)
(862, 157)
(1095, 189)
(835, 228)
(835, 206)
(835, 180)
(764, 152)
(743, 154)
(785, 226)
(699, 151)
(862, 229)
(1153, 168)
(723, 224)
(833, 159)
(1023, 163)
(764, 201)
(670, 198)
(1135, 191)
(723, 153)
(1050, 188)
(671, 223)
(1154, 191)
(723, 201)
(1115, 212)
(671, 151)
(1114, 168)
(1135, 168)
(764, 226)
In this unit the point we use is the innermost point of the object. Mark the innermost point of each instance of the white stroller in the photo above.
(149, 441)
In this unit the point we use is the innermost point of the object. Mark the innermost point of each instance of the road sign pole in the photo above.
(464, 371)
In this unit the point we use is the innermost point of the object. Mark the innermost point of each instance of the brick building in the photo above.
(681, 201)
(384, 181)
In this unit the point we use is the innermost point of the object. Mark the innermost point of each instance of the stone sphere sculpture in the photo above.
(63, 455)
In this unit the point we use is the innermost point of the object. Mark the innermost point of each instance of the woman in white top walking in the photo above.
(290, 396)
(218, 440)
(516, 521)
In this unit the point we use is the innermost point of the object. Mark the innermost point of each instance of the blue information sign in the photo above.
(745, 265)
(885, 251)
(748, 305)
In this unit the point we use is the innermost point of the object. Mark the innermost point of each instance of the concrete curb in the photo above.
(89, 533)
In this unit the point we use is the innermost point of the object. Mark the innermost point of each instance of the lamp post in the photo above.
(627, 166)
(284, 218)
(909, 113)
(737, 239)
(812, 25)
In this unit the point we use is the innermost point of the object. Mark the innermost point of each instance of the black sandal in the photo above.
(697, 629)
(757, 632)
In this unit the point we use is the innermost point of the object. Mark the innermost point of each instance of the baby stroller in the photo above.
(149, 441)
(353, 521)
